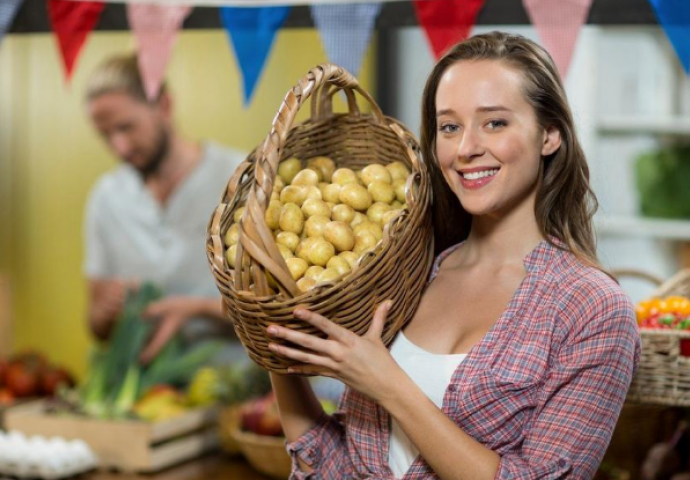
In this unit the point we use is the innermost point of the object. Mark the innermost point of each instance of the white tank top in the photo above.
(432, 373)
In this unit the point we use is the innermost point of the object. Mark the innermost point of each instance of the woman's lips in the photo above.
(473, 184)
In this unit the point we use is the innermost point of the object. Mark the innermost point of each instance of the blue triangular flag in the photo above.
(674, 16)
(8, 9)
(251, 31)
(346, 31)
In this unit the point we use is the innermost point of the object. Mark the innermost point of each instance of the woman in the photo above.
(518, 359)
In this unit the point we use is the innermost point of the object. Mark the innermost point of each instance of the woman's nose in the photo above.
(470, 144)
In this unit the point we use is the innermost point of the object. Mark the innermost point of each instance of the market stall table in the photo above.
(216, 466)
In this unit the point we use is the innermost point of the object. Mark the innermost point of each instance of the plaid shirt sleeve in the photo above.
(323, 448)
(584, 392)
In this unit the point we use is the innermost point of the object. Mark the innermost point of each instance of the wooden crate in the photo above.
(130, 445)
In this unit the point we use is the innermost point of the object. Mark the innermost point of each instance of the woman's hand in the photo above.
(363, 363)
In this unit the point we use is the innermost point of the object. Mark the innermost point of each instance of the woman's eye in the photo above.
(494, 124)
(448, 128)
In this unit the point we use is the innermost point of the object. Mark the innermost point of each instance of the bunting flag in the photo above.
(558, 25)
(674, 16)
(446, 22)
(346, 31)
(72, 22)
(8, 9)
(251, 32)
(155, 29)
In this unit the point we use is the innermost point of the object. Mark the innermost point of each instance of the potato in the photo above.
(342, 213)
(328, 275)
(359, 218)
(315, 225)
(230, 255)
(398, 171)
(313, 272)
(396, 205)
(275, 196)
(321, 252)
(390, 215)
(376, 211)
(331, 192)
(287, 169)
(291, 218)
(371, 227)
(381, 191)
(343, 176)
(313, 192)
(272, 214)
(375, 172)
(297, 267)
(289, 239)
(339, 264)
(356, 196)
(307, 178)
(232, 236)
(364, 242)
(237, 216)
(306, 283)
(285, 252)
(340, 235)
(296, 194)
(399, 189)
(312, 206)
(302, 250)
(325, 165)
(350, 257)
(278, 184)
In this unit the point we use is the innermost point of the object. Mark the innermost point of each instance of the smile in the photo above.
(477, 179)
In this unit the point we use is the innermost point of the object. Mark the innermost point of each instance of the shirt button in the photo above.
(452, 388)
(561, 463)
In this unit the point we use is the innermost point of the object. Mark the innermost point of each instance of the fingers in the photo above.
(168, 328)
(306, 369)
(302, 356)
(379, 320)
(311, 342)
(322, 323)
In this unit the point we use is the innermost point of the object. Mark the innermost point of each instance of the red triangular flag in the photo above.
(558, 25)
(72, 22)
(446, 22)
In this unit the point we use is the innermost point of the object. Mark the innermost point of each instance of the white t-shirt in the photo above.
(129, 235)
(432, 373)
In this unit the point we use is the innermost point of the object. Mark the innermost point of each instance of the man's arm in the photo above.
(105, 300)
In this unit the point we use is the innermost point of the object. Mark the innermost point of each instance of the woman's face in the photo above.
(488, 141)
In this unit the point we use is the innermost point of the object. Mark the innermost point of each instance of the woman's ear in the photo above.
(551, 141)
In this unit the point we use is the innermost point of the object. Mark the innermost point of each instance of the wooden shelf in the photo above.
(664, 125)
(643, 227)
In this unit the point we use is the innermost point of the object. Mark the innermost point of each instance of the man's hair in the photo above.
(118, 74)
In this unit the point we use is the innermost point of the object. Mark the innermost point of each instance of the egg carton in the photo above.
(40, 457)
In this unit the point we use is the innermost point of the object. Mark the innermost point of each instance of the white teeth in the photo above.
(478, 175)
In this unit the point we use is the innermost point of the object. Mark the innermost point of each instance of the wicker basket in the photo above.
(663, 375)
(266, 454)
(398, 267)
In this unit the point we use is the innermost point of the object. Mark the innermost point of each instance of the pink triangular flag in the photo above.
(558, 25)
(155, 28)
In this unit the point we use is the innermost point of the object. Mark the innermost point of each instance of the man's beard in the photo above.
(160, 151)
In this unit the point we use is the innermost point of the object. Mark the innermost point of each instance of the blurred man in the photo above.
(146, 220)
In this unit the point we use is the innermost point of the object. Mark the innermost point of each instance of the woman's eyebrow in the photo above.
(489, 108)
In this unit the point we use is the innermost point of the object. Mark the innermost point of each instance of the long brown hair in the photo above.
(565, 203)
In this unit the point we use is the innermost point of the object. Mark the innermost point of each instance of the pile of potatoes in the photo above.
(325, 218)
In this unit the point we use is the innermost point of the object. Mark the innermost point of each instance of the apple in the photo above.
(6, 397)
(22, 381)
(51, 377)
(261, 416)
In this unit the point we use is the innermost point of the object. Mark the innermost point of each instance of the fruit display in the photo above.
(30, 374)
(671, 312)
(324, 219)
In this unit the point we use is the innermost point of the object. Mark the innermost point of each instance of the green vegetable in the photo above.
(667, 320)
(662, 179)
(116, 379)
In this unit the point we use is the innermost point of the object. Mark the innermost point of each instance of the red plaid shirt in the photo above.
(543, 388)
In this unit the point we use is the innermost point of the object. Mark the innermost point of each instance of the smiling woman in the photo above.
(517, 361)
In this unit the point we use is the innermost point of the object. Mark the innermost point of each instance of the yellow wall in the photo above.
(50, 157)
